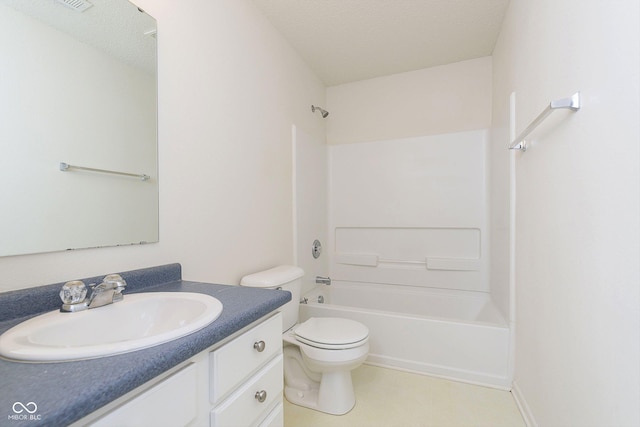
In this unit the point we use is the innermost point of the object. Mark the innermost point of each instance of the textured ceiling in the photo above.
(113, 26)
(350, 40)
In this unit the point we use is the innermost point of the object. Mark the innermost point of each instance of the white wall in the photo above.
(230, 89)
(577, 208)
(445, 99)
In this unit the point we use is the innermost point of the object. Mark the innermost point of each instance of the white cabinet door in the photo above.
(275, 418)
(171, 403)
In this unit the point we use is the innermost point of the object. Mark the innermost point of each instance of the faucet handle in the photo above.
(116, 281)
(323, 280)
(73, 292)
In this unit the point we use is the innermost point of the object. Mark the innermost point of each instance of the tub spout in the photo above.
(323, 280)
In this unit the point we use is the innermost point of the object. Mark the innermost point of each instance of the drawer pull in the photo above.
(259, 346)
(261, 396)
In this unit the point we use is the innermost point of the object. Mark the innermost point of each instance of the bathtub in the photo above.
(457, 335)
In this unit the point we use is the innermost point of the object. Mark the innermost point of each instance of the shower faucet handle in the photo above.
(323, 280)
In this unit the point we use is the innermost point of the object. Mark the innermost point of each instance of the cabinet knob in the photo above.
(261, 396)
(259, 346)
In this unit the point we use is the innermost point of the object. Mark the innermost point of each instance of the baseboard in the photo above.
(445, 372)
(525, 411)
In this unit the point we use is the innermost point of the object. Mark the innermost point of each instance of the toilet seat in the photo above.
(332, 333)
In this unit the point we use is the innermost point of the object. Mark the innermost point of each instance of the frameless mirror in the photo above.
(77, 87)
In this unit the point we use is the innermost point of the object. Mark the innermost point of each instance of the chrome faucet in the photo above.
(73, 294)
(107, 292)
(323, 280)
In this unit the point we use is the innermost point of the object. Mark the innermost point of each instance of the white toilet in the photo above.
(319, 354)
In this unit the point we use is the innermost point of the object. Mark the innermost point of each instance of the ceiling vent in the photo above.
(77, 5)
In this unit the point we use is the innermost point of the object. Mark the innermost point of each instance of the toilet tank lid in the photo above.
(273, 277)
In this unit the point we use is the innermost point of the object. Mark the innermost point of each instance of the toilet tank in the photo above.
(285, 277)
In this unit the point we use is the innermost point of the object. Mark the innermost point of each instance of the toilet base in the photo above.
(333, 394)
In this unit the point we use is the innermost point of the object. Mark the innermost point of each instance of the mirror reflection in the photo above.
(78, 87)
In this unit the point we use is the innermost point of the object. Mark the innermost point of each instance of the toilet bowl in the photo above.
(320, 353)
(319, 356)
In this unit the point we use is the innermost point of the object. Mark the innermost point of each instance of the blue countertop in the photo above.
(65, 392)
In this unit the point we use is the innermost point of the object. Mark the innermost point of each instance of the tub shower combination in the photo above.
(409, 256)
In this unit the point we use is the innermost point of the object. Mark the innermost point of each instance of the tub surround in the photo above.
(68, 391)
(413, 213)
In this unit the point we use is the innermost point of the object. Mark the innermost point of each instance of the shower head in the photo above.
(324, 113)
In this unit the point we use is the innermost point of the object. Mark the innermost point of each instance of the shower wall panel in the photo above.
(411, 211)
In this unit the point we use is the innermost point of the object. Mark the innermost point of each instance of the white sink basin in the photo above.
(138, 321)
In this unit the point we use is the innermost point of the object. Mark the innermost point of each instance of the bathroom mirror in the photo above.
(77, 87)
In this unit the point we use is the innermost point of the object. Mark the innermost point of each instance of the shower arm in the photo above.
(323, 112)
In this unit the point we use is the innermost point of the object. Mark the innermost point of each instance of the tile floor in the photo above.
(391, 398)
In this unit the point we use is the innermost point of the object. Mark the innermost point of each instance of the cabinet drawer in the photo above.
(170, 403)
(242, 408)
(275, 418)
(238, 359)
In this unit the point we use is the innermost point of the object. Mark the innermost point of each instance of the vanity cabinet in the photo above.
(236, 383)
